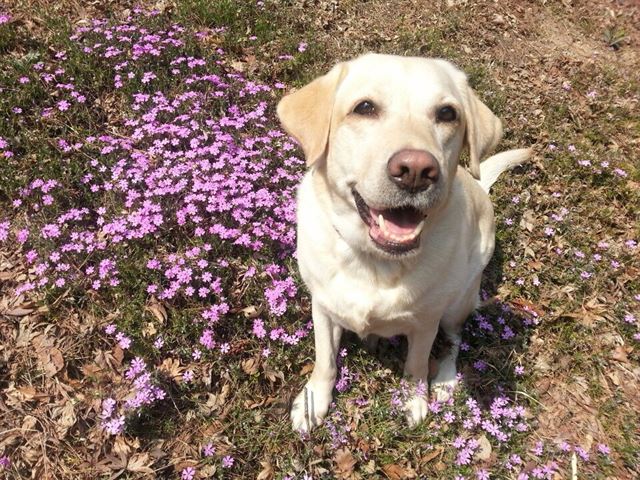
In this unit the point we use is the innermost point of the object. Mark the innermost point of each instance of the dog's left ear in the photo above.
(483, 130)
(306, 113)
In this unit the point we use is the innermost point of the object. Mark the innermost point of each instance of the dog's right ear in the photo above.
(306, 113)
(483, 130)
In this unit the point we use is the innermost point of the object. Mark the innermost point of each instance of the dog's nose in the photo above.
(413, 170)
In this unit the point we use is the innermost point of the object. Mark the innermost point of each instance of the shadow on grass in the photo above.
(493, 338)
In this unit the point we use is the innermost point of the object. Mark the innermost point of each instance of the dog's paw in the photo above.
(310, 406)
(442, 389)
(416, 409)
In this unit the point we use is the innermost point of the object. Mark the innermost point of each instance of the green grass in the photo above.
(253, 423)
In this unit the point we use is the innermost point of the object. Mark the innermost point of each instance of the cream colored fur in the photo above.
(355, 285)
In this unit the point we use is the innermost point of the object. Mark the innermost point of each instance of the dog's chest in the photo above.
(366, 302)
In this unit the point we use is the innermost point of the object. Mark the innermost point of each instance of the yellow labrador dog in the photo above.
(393, 235)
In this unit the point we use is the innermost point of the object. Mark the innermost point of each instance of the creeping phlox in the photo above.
(196, 154)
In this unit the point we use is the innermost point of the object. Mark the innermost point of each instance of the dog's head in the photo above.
(387, 133)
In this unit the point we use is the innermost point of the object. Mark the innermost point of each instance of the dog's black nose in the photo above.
(413, 170)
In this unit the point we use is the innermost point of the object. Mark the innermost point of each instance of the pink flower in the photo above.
(208, 450)
(188, 473)
(258, 328)
(4, 231)
(123, 341)
(114, 426)
(564, 446)
(482, 475)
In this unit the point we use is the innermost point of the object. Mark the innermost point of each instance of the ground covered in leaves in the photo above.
(152, 322)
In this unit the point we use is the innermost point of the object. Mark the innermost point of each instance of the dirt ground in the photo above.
(586, 385)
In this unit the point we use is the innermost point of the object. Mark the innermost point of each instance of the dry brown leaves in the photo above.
(47, 403)
(344, 463)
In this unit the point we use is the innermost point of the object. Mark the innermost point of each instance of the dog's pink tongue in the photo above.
(398, 221)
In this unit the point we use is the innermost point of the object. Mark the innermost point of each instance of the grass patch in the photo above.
(201, 286)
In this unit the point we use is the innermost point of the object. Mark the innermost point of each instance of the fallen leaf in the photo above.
(528, 220)
(215, 401)
(121, 447)
(111, 462)
(267, 472)
(158, 310)
(65, 418)
(56, 362)
(250, 365)
(308, 368)
(344, 462)
(171, 366)
(484, 449)
(615, 378)
(149, 330)
(398, 472)
(369, 467)
(17, 312)
(273, 375)
(26, 393)
(431, 455)
(208, 471)
(118, 355)
(239, 66)
(619, 354)
(141, 463)
(251, 311)
(527, 306)
(28, 423)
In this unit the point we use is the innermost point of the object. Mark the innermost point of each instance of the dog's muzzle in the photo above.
(393, 230)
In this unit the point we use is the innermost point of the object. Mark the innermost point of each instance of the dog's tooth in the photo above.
(418, 230)
(381, 224)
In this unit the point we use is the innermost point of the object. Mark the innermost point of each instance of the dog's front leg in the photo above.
(312, 403)
(417, 367)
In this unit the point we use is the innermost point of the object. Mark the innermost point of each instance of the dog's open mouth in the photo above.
(394, 230)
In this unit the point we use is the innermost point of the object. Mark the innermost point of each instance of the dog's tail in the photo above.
(492, 167)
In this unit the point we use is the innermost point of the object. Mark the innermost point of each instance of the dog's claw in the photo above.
(310, 407)
(443, 390)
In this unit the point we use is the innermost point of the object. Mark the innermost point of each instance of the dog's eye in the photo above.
(366, 107)
(446, 114)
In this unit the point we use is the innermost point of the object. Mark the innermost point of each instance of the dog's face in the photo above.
(387, 133)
